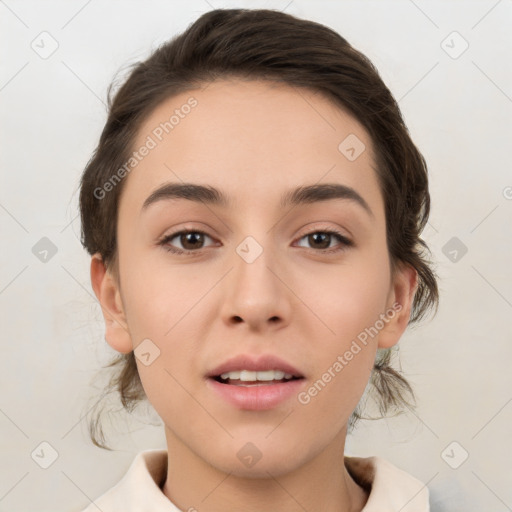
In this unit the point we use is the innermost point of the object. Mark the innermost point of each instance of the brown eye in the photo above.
(321, 240)
(190, 241)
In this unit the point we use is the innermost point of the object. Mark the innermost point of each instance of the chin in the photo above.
(259, 458)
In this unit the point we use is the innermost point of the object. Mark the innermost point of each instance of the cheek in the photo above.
(165, 305)
(347, 298)
(160, 297)
(349, 301)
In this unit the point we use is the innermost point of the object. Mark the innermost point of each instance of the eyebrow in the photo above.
(300, 195)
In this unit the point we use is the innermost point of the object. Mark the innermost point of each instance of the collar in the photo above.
(390, 489)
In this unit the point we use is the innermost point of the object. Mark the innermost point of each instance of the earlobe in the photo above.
(400, 304)
(109, 297)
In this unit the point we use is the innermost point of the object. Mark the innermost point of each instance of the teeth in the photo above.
(268, 375)
(250, 376)
(246, 375)
(230, 375)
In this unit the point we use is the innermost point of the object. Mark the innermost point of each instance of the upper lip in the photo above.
(254, 363)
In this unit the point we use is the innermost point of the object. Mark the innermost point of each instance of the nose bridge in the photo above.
(255, 294)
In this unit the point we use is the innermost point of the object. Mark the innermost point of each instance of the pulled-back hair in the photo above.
(266, 45)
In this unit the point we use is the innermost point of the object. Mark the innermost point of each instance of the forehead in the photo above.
(251, 138)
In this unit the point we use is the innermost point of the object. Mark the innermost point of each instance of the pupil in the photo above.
(185, 239)
(316, 238)
(325, 236)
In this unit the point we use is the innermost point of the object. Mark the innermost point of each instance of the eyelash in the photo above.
(345, 242)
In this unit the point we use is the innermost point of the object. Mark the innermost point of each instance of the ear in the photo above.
(399, 305)
(109, 297)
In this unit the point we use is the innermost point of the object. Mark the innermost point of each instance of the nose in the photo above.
(255, 292)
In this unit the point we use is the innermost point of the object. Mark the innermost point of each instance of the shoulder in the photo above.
(389, 487)
(139, 489)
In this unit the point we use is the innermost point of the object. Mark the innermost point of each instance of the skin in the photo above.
(254, 141)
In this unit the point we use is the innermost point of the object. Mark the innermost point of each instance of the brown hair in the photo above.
(270, 45)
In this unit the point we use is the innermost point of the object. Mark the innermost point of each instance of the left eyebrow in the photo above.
(323, 192)
(300, 195)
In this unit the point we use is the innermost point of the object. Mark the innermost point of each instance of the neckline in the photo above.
(360, 470)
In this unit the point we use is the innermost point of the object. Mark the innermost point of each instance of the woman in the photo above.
(253, 212)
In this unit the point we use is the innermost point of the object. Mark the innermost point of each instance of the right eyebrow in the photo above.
(190, 191)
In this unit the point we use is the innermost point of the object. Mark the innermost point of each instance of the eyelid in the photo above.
(346, 241)
(321, 227)
(164, 240)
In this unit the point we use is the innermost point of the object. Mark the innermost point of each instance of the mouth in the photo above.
(250, 378)
(255, 383)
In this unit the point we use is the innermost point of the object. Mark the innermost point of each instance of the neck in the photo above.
(321, 483)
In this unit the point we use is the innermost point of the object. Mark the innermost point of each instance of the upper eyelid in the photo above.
(203, 232)
(316, 226)
(332, 231)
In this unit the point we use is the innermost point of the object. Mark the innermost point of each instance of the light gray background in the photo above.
(459, 111)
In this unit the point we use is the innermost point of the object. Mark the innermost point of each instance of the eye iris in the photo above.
(325, 236)
(191, 240)
(191, 237)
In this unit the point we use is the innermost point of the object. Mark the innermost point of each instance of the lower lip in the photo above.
(257, 398)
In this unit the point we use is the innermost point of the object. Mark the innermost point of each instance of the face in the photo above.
(216, 294)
